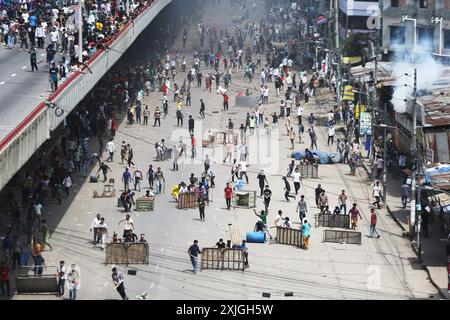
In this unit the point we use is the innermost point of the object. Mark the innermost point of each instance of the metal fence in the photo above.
(127, 253)
(244, 199)
(342, 236)
(333, 220)
(145, 204)
(222, 259)
(289, 236)
(308, 171)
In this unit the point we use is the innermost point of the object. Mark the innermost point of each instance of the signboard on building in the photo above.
(365, 123)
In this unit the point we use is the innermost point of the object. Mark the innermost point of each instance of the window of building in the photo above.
(423, 4)
(395, 3)
(397, 35)
(446, 39)
(426, 38)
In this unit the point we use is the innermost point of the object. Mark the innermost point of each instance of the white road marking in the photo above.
(162, 249)
(24, 67)
(3, 82)
(13, 75)
(152, 285)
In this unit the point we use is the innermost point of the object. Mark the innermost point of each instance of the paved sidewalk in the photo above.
(434, 258)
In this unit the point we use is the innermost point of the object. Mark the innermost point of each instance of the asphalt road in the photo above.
(20, 89)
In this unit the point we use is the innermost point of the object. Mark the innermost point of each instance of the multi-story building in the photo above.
(357, 16)
(426, 27)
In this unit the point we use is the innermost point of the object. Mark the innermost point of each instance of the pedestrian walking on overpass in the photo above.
(118, 281)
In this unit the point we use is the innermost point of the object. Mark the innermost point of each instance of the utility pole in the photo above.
(384, 156)
(338, 52)
(80, 32)
(412, 217)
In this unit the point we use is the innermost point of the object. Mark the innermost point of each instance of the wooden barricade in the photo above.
(222, 259)
(187, 200)
(244, 199)
(145, 204)
(333, 220)
(234, 235)
(342, 236)
(308, 171)
(289, 236)
(127, 253)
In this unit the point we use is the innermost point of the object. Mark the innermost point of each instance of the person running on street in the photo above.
(287, 190)
(302, 208)
(118, 279)
(262, 181)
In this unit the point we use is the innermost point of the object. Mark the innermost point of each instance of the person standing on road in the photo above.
(373, 223)
(202, 109)
(343, 202)
(302, 208)
(126, 179)
(193, 252)
(67, 184)
(94, 226)
(354, 213)
(297, 180)
(244, 249)
(331, 133)
(262, 181)
(306, 233)
(111, 148)
(287, 190)
(313, 138)
(62, 276)
(292, 137)
(201, 207)
(228, 195)
(267, 196)
(150, 176)
(405, 193)
(33, 60)
(376, 194)
(318, 192)
(160, 181)
(323, 203)
(128, 227)
(73, 280)
(118, 279)
(4, 279)
(137, 176)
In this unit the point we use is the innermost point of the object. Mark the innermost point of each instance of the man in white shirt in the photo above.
(297, 179)
(110, 147)
(376, 194)
(243, 170)
(94, 226)
(331, 133)
(62, 276)
(330, 116)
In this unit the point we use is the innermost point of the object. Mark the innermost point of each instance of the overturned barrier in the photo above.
(127, 253)
(222, 259)
(333, 220)
(342, 236)
(187, 200)
(40, 283)
(308, 170)
(244, 199)
(289, 236)
(145, 204)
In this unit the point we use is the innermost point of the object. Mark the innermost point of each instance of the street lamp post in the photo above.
(405, 18)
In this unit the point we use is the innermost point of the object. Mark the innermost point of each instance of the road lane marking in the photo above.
(24, 67)
(152, 285)
(3, 82)
(13, 75)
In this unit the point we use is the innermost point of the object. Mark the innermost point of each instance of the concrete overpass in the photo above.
(24, 127)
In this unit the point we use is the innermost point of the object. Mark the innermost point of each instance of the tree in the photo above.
(352, 46)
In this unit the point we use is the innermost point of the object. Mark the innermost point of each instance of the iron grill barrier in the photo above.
(222, 259)
(289, 236)
(334, 221)
(308, 171)
(188, 200)
(342, 236)
(127, 253)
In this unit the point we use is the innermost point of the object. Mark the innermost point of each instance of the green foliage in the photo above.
(352, 46)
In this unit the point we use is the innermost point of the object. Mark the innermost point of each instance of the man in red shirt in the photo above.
(354, 213)
(225, 101)
(228, 195)
(373, 223)
(193, 146)
(4, 279)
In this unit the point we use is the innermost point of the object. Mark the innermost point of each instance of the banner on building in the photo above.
(365, 123)
(349, 95)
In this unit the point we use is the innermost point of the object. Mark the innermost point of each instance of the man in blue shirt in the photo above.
(193, 252)
(126, 178)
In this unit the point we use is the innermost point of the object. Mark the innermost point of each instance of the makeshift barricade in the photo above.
(333, 220)
(145, 204)
(289, 236)
(187, 200)
(127, 253)
(222, 259)
(308, 171)
(342, 236)
(244, 199)
(42, 283)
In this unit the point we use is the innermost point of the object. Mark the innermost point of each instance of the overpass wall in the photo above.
(18, 147)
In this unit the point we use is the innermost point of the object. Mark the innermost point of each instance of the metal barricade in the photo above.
(145, 204)
(246, 101)
(289, 236)
(342, 236)
(222, 259)
(309, 171)
(333, 220)
(187, 200)
(127, 253)
(244, 199)
(33, 279)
